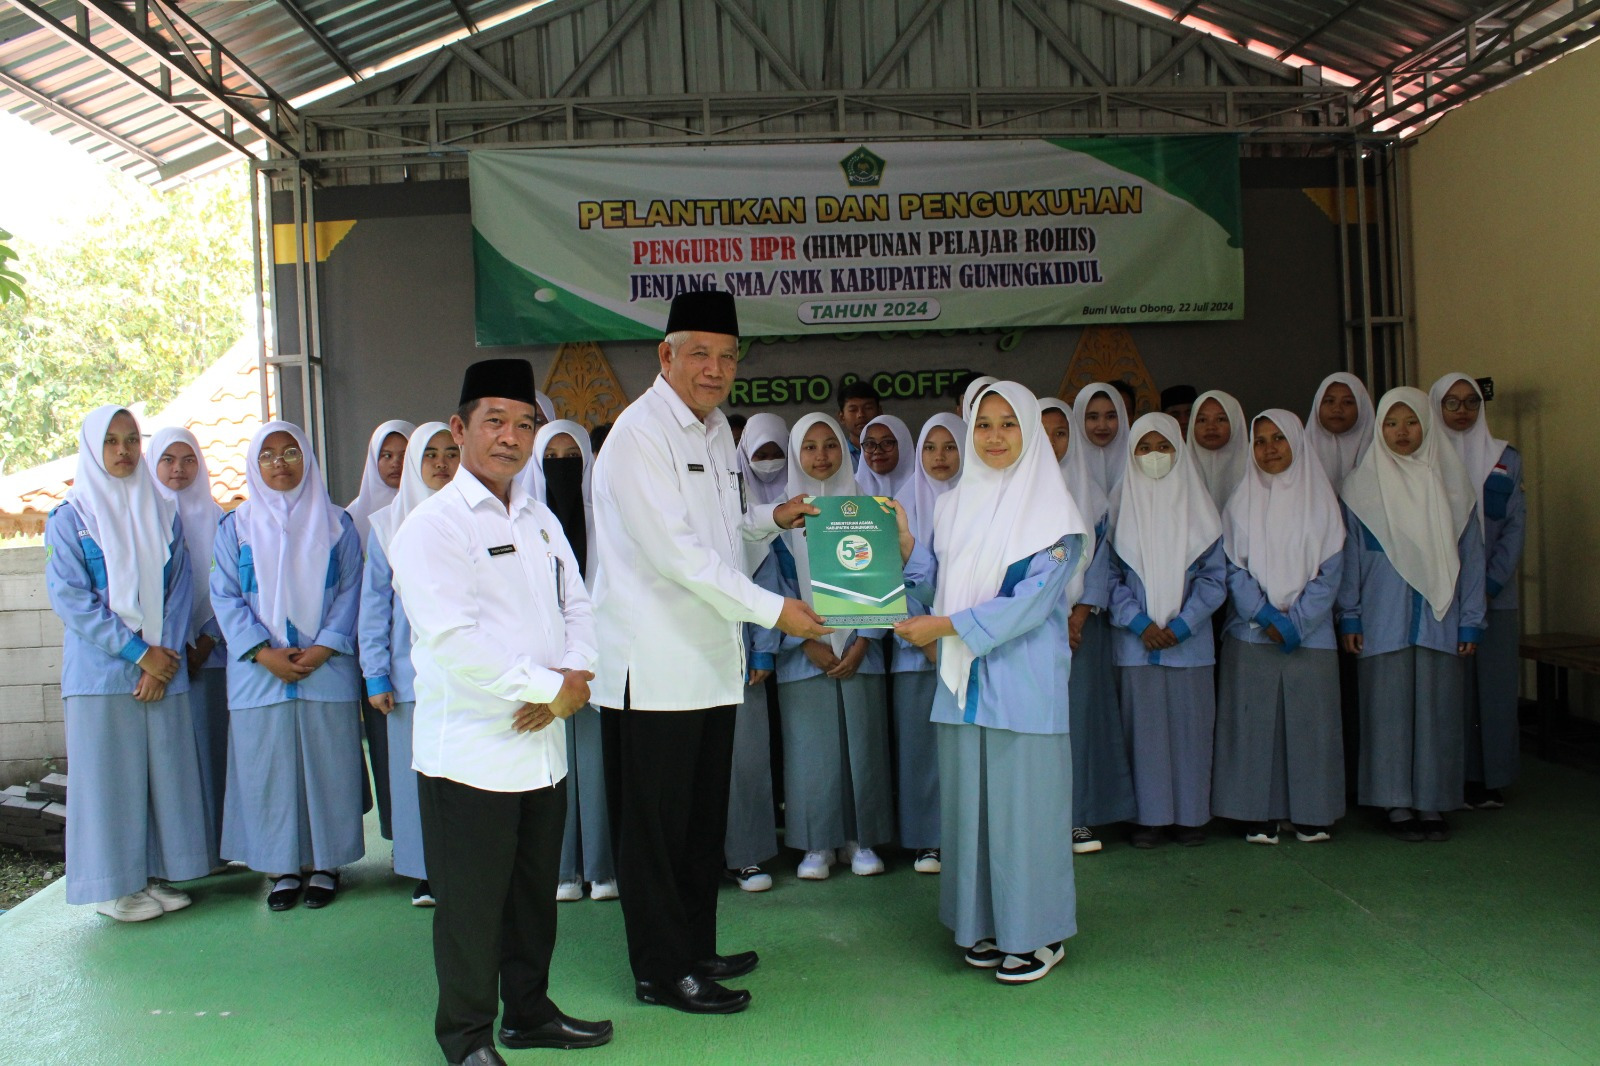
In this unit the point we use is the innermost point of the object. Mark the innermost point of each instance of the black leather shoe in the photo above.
(484, 1056)
(320, 897)
(281, 899)
(692, 996)
(559, 1032)
(722, 967)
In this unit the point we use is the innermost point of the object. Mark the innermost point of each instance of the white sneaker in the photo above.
(928, 861)
(604, 889)
(1018, 969)
(865, 863)
(814, 867)
(567, 891)
(134, 907)
(753, 879)
(1084, 842)
(169, 898)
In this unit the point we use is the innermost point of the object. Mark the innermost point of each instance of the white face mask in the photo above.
(766, 468)
(1156, 465)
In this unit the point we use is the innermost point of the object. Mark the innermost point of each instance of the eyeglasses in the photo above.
(1471, 403)
(889, 445)
(288, 457)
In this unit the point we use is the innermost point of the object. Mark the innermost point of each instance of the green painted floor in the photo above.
(1482, 950)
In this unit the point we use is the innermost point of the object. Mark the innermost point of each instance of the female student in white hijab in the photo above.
(1279, 753)
(119, 578)
(384, 636)
(286, 586)
(1495, 467)
(1219, 444)
(752, 837)
(1411, 606)
(1004, 545)
(912, 679)
(887, 460)
(561, 448)
(1102, 772)
(1098, 412)
(834, 707)
(181, 476)
(1339, 430)
(1168, 578)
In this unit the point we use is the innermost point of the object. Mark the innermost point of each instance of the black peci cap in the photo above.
(1173, 395)
(510, 379)
(709, 311)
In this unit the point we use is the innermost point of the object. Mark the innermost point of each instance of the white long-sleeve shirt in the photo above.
(670, 593)
(497, 606)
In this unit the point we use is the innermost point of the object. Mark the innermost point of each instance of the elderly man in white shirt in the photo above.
(671, 593)
(504, 642)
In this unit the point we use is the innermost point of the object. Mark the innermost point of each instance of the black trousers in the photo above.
(376, 726)
(667, 782)
(493, 862)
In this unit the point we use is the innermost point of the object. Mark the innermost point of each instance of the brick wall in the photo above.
(31, 727)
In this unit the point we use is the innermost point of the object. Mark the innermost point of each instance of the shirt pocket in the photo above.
(95, 559)
(1497, 497)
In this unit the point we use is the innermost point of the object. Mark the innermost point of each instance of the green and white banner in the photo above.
(593, 243)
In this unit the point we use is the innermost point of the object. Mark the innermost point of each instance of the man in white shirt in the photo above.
(671, 513)
(504, 642)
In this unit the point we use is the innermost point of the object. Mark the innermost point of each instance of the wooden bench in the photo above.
(1553, 655)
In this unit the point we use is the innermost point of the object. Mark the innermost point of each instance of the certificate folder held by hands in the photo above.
(853, 546)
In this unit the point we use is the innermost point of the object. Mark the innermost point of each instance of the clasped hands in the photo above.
(532, 717)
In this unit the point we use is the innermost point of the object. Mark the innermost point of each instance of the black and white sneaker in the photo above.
(1084, 841)
(1262, 833)
(928, 861)
(1312, 834)
(751, 879)
(423, 896)
(985, 955)
(1019, 969)
(1491, 800)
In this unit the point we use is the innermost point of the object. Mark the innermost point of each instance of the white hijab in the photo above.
(374, 492)
(1223, 469)
(200, 514)
(1340, 454)
(131, 521)
(1480, 452)
(1415, 505)
(925, 491)
(545, 405)
(1104, 466)
(1283, 527)
(541, 440)
(1163, 526)
(413, 490)
(1086, 493)
(895, 481)
(994, 518)
(291, 536)
(760, 430)
(842, 483)
(975, 386)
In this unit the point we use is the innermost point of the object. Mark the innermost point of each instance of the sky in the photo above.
(46, 184)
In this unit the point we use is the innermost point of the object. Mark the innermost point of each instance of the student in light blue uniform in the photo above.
(179, 468)
(1168, 579)
(286, 586)
(1411, 606)
(1005, 544)
(834, 703)
(119, 578)
(384, 632)
(1279, 752)
(1494, 681)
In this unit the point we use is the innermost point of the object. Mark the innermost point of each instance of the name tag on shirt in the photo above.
(697, 468)
(503, 549)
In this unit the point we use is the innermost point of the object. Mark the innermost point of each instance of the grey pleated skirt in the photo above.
(208, 705)
(1280, 746)
(836, 762)
(586, 842)
(1494, 739)
(1170, 714)
(405, 812)
(136, 810)
(1007, 852)
(1413, 720)
(294, 786)
(916, 753)
(752, 836)
(1102, 772)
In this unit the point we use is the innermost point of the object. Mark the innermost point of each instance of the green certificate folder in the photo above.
(853, 546)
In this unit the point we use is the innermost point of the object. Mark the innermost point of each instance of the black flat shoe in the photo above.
(1408, 830)
(1145, 836)
(559, 1032)
(285, 897)
(1435, 829)
(484, 1056)
(722, 967)
(692, 996)
(317, 897)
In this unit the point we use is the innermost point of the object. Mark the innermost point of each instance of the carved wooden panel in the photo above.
(583, 386)
(1106, 353)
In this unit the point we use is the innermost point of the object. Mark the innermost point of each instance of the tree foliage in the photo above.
(129, 307)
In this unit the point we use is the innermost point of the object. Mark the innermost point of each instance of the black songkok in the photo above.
(509, 379)
(1174, 395)
(710, 311)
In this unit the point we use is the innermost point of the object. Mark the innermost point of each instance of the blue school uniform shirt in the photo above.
(1505, 510)
(1018, 681)
(1204, 589)
(99, 653)
(383, 632)
(1097, 578)
(1375, 601)
(761, 642)
(1308, 622)
(236, 598)
(793, 665)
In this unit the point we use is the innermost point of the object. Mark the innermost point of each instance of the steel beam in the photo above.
(63, 111)
(309, 27)
(763, 44)
(603, 48)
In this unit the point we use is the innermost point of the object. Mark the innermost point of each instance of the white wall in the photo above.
(32, 730)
